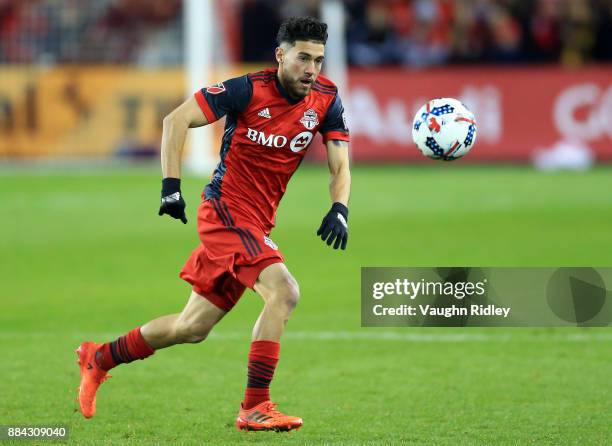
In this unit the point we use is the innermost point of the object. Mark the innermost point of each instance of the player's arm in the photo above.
(334, 227)
(340, 174)
(175, 126)
(205, 106)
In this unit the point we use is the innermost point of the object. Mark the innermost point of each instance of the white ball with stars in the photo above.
(444, 129)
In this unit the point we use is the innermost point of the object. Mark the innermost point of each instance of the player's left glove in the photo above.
(335, 226)
(172, 202)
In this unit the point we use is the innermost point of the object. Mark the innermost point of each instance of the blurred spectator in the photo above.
(372, 40)
(543, 31)
(260, 22)
(427, 38)
(577, 33)
(602, 49)
(125, 27)
(24, 27)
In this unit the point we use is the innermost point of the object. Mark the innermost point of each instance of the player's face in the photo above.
(299, 66)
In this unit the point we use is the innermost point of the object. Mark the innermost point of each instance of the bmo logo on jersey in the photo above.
(297, 144)
(262, 139)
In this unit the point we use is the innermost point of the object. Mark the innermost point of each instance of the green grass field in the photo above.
(85, 256)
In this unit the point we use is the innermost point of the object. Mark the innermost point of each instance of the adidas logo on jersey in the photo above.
(265, 113)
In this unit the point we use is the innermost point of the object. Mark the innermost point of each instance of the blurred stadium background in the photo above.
(94, 78)
(84, 85)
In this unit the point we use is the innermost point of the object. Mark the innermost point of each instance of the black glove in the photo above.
(334, 226)
(172, 202)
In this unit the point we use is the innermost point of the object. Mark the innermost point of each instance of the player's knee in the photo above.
(287, 294)
(190, 332)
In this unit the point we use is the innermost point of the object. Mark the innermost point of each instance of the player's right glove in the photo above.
(335, 227)
(172, 202)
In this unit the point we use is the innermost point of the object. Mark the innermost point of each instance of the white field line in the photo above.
(364, 335)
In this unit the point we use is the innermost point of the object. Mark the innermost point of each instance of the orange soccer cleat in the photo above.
(265, 417)
(91, 377)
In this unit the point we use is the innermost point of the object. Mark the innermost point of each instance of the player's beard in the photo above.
(298, 90)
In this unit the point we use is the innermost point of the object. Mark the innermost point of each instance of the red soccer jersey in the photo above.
(266, 137)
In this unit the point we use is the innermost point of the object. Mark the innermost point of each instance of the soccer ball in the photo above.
(444, 129)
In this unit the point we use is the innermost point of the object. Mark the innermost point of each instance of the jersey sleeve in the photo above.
(229, 97)
(334, 125)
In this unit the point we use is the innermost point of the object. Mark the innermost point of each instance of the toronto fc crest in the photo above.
(310, 119)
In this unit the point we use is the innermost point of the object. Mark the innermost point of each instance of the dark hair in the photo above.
(302, 28)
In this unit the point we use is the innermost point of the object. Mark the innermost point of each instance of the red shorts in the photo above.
(231, 256)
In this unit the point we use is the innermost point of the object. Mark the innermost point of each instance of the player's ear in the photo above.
(279, 53)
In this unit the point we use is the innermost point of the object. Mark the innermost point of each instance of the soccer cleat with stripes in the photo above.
(91, 377)
(265, 417)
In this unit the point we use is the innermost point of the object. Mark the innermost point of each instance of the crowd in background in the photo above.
(379, 32)
(90, 31)
(433, 32)
(425, 32)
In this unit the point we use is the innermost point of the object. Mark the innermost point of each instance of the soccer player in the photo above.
(271, 119)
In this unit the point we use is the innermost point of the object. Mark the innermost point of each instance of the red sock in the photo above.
(263, 358)
(124, 349)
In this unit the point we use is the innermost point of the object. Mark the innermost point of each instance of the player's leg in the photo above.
(280, 293)
(191, 325)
